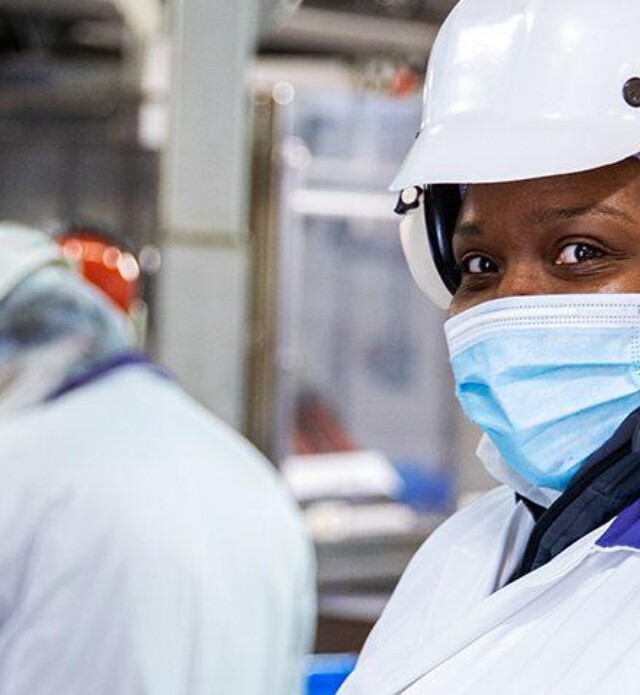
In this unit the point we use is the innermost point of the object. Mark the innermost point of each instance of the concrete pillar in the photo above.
(202, 302)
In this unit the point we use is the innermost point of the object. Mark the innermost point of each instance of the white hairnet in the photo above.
(54, 327)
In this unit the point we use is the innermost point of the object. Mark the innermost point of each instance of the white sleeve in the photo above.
(69, 625)
(116, 599)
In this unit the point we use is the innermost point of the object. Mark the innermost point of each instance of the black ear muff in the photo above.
(441, 209)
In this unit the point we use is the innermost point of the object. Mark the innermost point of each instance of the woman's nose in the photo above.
(522, 280)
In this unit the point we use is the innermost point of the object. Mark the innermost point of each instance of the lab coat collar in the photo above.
(98, 371)
(486, 615)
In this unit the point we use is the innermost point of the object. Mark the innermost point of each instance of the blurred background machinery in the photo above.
(76, 140)
(348, 382)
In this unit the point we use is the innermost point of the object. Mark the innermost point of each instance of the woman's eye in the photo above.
(478, 265)
(578, 253)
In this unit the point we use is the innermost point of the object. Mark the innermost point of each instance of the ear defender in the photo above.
(429, 216)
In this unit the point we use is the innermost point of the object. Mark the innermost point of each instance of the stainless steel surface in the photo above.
(258, 422)
(362, 607)
(369, 564)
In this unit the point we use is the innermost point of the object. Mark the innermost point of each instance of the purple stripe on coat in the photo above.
(624, 531)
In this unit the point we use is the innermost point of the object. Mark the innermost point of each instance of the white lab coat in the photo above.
(570, 627)
(145, 549)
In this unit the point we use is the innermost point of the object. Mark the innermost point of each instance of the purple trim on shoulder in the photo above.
(125, 359)
(624, 531)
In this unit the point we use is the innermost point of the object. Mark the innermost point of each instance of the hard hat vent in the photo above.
(631, 92)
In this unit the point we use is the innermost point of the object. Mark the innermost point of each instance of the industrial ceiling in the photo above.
(356, 27)
(313, 26)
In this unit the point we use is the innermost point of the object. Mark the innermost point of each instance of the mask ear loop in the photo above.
(442, 203)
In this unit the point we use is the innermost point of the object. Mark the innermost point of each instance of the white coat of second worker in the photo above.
(145, 548)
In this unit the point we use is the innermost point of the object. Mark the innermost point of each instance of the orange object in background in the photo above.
(406, 82)
(105, 264)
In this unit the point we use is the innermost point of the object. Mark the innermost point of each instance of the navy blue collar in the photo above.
(607, 487)
(106, 367)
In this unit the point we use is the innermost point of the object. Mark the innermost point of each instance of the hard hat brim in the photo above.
(468, 149)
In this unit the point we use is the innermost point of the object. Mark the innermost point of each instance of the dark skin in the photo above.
(577, 233)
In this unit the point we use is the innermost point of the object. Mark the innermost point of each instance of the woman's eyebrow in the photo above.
(562, 214)
(555, 214)
(469, 229)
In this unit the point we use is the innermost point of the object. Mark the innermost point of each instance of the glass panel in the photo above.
(362, 355)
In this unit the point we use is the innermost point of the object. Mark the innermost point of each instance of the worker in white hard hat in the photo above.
(145, 547)
(521, 215)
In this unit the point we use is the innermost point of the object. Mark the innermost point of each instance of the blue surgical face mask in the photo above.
(548, 378)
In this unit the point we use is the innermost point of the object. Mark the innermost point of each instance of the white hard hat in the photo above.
(24, 251)
(520, 89)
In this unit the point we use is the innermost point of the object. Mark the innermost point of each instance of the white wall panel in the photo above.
(205, 172)
(202, 303)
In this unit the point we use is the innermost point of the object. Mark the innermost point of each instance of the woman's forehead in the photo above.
(617, 185)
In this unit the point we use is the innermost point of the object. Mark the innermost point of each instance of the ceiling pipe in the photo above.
(92, 9)
(311, 29)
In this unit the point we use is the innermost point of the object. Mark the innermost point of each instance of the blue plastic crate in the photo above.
(325, 674)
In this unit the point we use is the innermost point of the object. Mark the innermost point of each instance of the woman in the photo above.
(525, 181)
